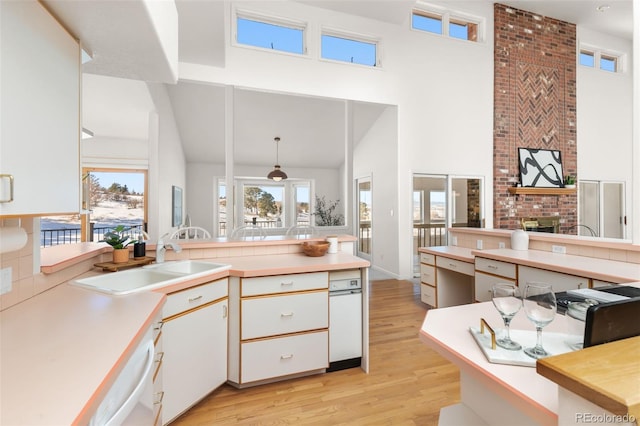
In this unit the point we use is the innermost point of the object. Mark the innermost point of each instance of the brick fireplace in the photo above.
(534, 107)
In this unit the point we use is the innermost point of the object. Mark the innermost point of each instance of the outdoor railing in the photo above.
(54, 237)
(429, 234)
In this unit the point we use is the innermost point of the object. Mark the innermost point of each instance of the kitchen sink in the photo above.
(187, 267)
(150, 277)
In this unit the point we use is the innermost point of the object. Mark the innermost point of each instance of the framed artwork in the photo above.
(540, 168)
(176, 206)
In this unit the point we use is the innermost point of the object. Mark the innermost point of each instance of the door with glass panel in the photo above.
(601, 211)
(364, 225)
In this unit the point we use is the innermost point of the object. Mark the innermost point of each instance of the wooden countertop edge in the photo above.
(565, 371)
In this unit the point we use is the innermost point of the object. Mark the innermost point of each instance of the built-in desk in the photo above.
(446, 276)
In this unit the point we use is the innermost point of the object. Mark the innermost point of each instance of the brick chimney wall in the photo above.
(534, 107)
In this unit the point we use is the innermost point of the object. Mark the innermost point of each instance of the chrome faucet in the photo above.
(161, 248)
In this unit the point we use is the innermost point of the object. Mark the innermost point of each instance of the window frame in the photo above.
(352, 36)
(289, 199)
(599, 54)
(271, 20)
(447, 17)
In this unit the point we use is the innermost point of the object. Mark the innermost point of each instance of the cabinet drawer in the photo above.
(193, 297)
(275, 315)
(496, 267)
(428, 274)
(427, 258)
(269, 358)
(428, 295)
(284, 283)
(454, 265)
(558, 280)
(483, 284)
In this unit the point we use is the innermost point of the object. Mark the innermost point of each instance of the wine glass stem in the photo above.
(507, 321)
(538, 337)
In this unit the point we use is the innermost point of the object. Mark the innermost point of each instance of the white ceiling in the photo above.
(116, 34)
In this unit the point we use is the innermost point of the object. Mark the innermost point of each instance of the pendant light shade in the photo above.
(276, 174)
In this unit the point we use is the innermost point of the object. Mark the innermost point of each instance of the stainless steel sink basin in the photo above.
(150, 277)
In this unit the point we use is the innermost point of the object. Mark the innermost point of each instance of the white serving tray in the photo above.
(554, 343)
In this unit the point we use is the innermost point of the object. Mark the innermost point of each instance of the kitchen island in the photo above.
(499, 394)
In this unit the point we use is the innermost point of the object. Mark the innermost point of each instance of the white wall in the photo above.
(375, 155)
(167, 162)
(444, 117)
(442, 123)
(605, 118)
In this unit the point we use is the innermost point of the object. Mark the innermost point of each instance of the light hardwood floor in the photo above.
(407, 384)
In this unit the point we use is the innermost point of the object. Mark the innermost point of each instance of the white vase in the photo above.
(519, 240)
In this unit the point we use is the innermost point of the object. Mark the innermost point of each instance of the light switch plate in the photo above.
(5, 280)
(558, 249)
(501, 245)
(454, 241)
(479, 244)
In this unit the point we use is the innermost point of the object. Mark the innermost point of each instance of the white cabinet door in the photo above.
(195, 357)
(559, 281)
(40, 131)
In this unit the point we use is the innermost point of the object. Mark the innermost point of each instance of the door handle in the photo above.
(10, 177)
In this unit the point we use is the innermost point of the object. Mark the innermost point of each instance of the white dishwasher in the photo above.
(345, 319)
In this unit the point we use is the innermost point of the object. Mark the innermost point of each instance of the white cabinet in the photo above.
(195, 345)
(559, 281)
(278, 327)
(428, 279)
(40, 96)
(489, 272)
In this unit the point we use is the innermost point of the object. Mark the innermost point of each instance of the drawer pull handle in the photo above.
(286, 356)
(159, 357)
(287, 284)
(193, 299)
(453, 265)
(225, 311)
(492, 267)
(158, 397)
(286, 314)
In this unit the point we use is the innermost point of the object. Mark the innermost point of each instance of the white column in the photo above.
(635, 145)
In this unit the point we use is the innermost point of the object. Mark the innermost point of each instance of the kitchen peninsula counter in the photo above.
(55, 363)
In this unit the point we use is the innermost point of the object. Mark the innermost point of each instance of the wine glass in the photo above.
(507, 300)
(539, 303)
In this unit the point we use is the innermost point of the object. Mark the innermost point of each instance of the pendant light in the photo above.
(276, 174)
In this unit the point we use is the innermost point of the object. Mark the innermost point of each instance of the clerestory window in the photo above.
(595, 58)
(270, 33)
(344, 47)
(447, 23)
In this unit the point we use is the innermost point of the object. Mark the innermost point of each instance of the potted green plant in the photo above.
(119, 239)
(569, 181)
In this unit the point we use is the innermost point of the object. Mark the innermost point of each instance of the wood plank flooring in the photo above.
(407, 384)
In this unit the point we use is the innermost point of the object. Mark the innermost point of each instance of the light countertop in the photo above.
(447, 331)
(581, 266)
(62, 349)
